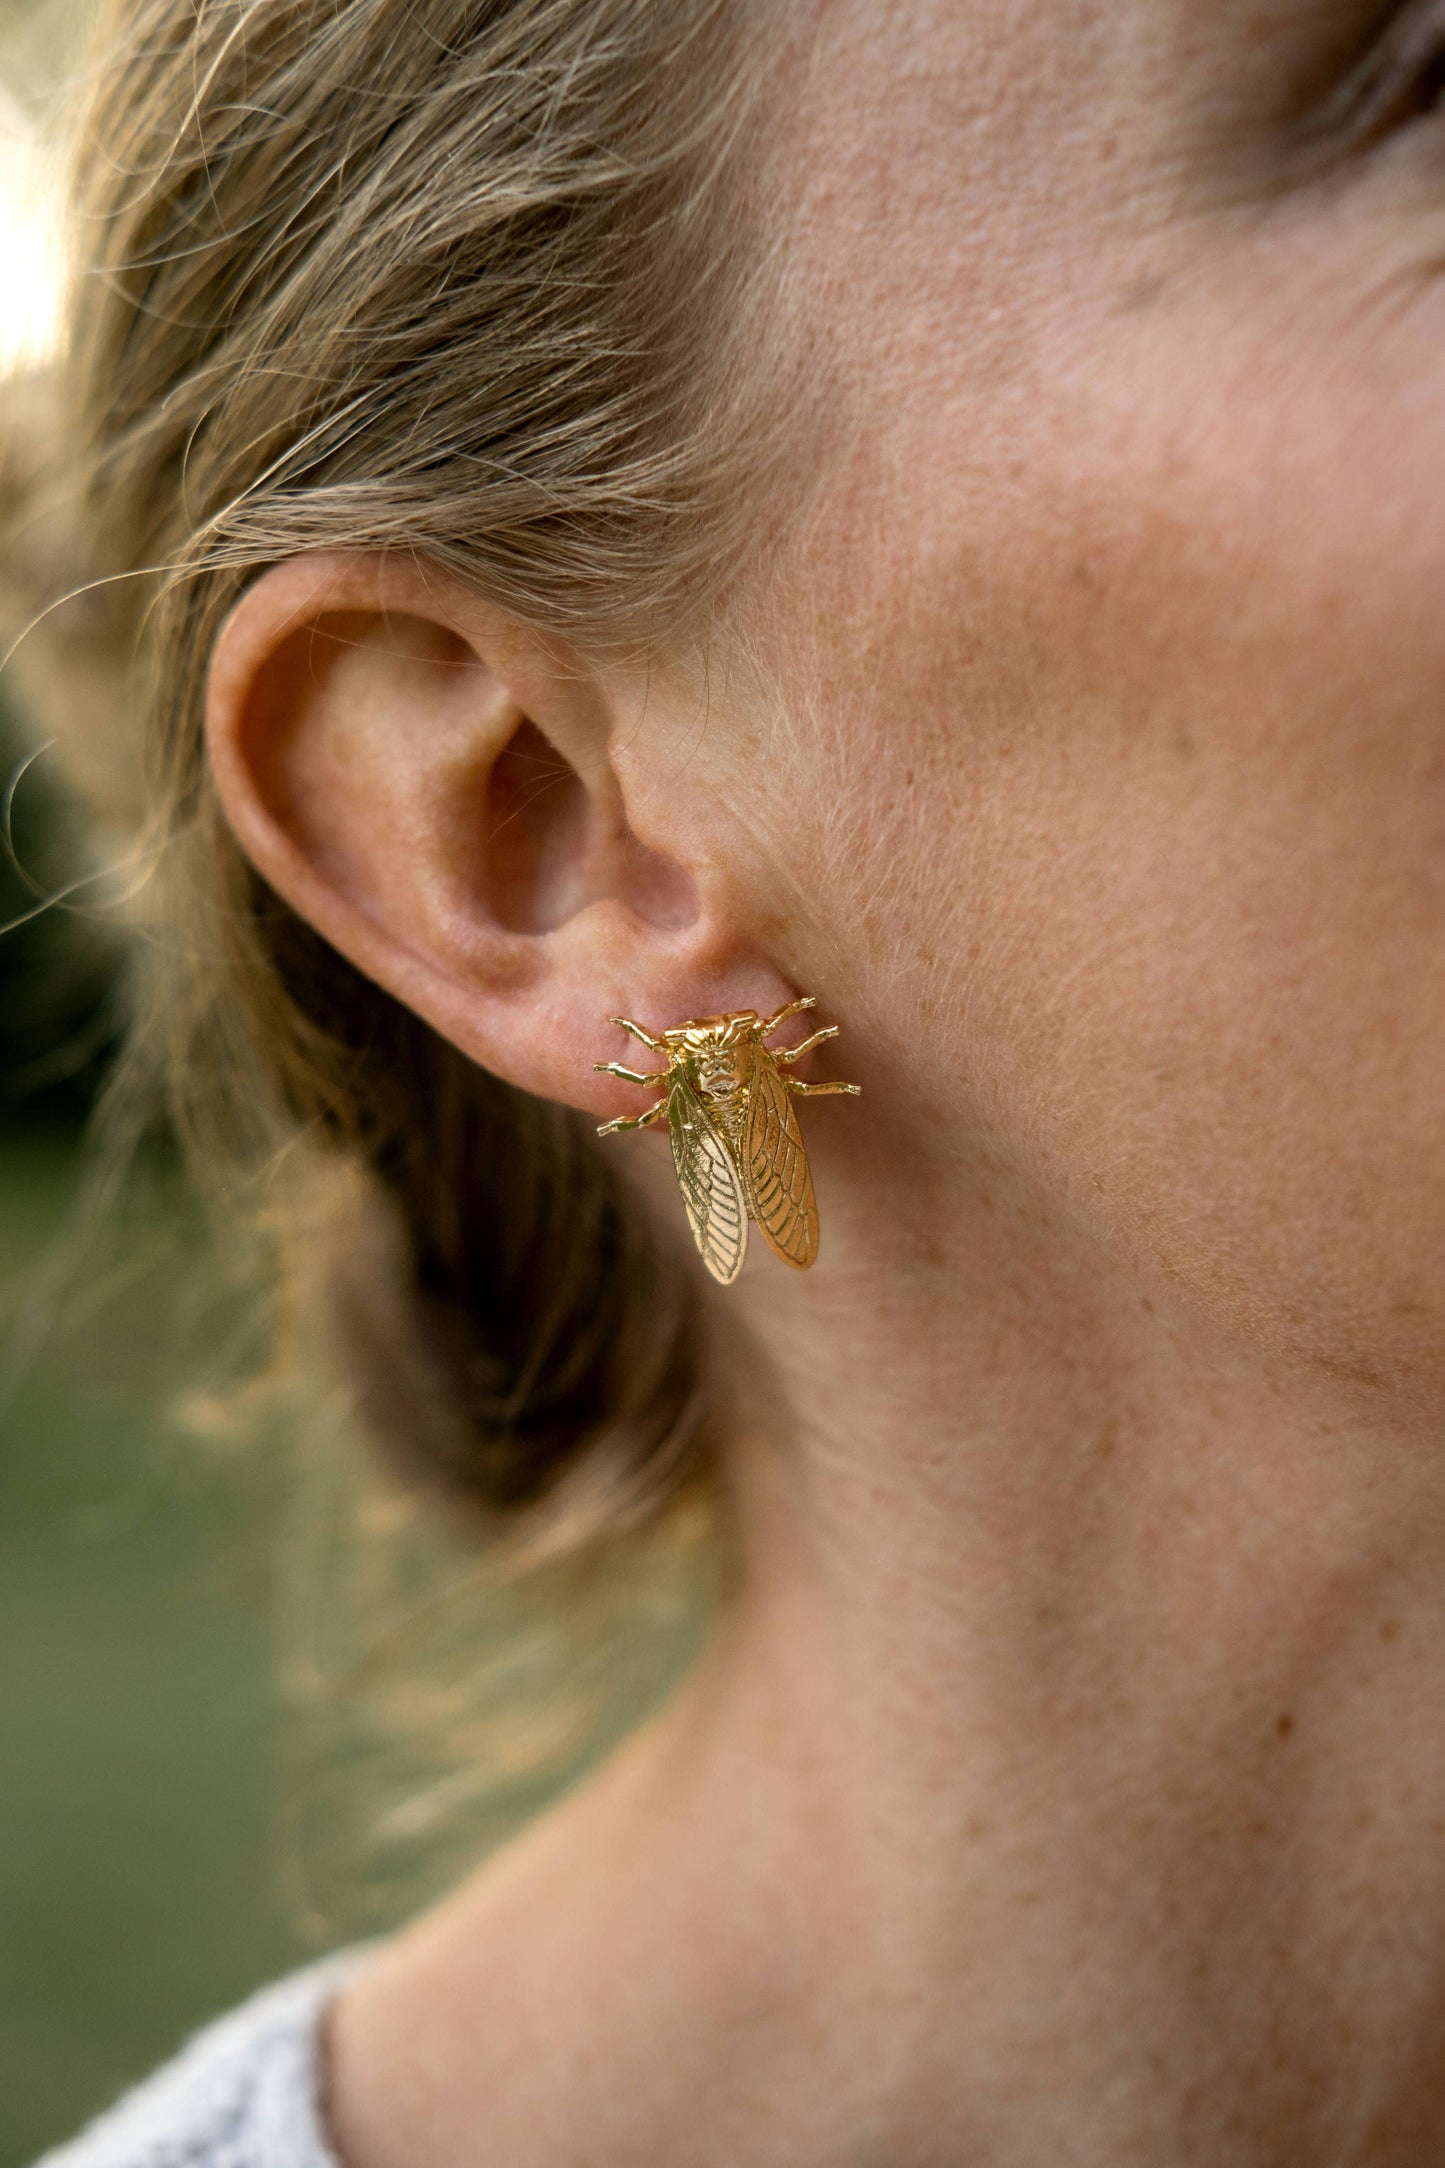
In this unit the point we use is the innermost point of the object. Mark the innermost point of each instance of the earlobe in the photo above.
(431, 786)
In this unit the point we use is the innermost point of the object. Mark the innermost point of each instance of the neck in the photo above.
(1067, 1782)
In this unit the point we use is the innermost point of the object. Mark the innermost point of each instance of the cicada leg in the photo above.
(796, 1053)
(625, 1023)
(820, 1091)
(790, 1008)
(631, 1076)
(633, 1121)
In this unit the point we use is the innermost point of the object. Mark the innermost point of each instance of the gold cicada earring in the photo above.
(736, 1143)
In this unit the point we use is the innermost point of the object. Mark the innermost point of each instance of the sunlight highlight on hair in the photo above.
(32, 258)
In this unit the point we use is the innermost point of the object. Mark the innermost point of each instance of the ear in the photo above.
(437, 790)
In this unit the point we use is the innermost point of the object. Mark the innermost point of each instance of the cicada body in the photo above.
(736, 1144)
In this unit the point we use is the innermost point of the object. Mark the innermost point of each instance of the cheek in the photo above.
(1130, 796)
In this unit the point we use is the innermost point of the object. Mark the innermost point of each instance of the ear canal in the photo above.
(550, 845)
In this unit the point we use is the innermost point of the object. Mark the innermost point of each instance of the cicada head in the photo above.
(714, 1052)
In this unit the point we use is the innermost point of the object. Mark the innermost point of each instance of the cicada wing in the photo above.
(711, 1186)
(775, 1167)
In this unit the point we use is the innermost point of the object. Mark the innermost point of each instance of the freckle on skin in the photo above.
(1354, 1373)
(1390, 1629)
(1142, 293)
(1284, 1726)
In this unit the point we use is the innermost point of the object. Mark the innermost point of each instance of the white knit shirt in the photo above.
(246, 2092)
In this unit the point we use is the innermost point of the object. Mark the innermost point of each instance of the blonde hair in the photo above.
(468, 281)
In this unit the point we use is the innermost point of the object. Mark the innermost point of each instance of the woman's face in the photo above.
(1104, 783)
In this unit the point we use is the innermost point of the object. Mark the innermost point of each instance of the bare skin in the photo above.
(1068, 1783)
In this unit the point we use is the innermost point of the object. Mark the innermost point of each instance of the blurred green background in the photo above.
(138, 1871)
